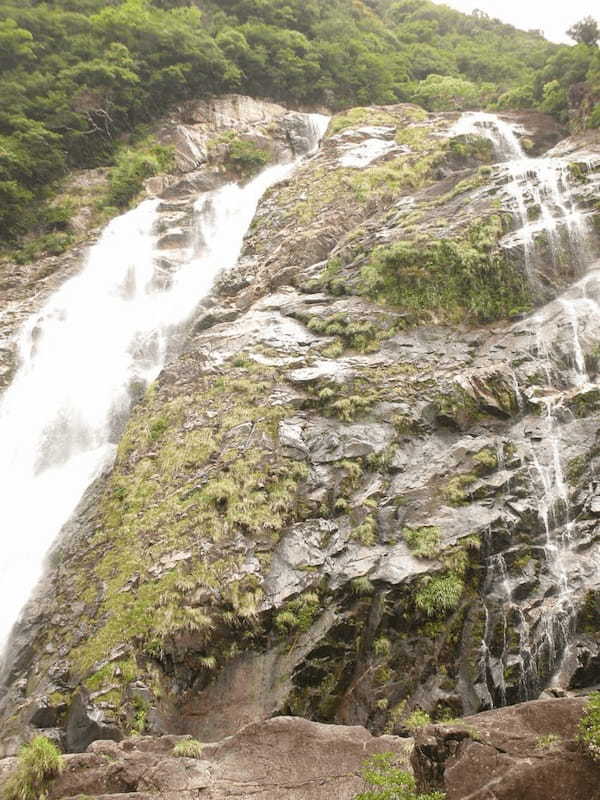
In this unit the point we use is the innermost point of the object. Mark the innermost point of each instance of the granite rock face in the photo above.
(328, 506)
(528, 751)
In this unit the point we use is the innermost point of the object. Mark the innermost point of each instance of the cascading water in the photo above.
(538, 192)
(549, 226)
(101, 335)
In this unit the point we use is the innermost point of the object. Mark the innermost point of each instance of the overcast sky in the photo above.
(553, 17)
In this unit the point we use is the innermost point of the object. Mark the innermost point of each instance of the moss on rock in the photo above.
(468, 278)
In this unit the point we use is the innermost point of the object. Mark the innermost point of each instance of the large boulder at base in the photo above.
(523, 752)
(284, 757)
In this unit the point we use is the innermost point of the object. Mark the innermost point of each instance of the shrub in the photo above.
(39, 762)
(132, 167)
(589, 727)
(246, 158)
(188, 748)
(389, 782)
(51, 244)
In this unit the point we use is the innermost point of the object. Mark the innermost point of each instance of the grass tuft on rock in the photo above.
(589, 727)
(440, 594)
(188, 748)
(423, 542)
(39, 762)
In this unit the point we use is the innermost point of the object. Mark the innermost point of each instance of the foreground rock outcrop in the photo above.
(529, 751)
(329, 503)
(284, 757)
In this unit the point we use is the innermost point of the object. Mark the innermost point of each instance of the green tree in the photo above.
(446, 93)
(586, 31)
(16, 45)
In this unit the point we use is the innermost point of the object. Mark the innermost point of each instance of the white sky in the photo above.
(553, 17)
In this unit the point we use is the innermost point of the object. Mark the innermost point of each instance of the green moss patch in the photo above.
(423, 542)
(470, 278)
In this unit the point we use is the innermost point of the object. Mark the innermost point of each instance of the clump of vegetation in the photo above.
(361, 335)
(366, 532)
(49, 244)
(298, 615)
(588, 619)
(469, 146)
(140, 716)
(188, 748)
(439, 594)
(348, 401)
(576, 468)
(418, 719)
(133, 165)
(39, 762)
(245, 158)
(547, 742)
(355, 117)
(589, 727)
(486, 460)
(586, 403)
(456, 491)
(423, 542)
(457, 408)
(386, 781)
(362, 586)
(452, 279)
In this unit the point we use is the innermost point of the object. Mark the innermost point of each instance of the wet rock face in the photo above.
(540, 132)
(528, 752)
(342, 500)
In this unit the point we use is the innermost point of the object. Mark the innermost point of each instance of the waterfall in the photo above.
(549, 227)
(99, 339)
(538, 191)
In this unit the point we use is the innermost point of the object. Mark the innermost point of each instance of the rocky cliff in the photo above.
(366, 484)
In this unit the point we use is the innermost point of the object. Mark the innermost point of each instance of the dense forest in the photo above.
(79, 75)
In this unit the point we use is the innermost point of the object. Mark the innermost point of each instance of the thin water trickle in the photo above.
(539, 193)
(105, 330)
(550, 225)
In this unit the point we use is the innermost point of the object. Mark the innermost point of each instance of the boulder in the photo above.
(285, 757)
(524, 752)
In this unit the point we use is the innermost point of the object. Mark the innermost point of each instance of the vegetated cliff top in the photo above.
(80, 77)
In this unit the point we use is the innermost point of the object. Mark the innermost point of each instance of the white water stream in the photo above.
(538, 191)
(102, 333)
